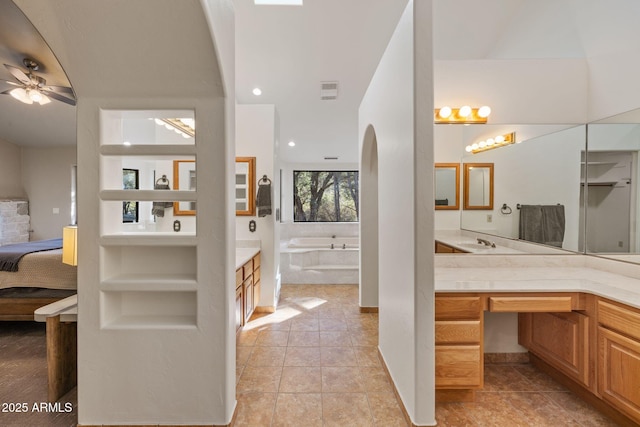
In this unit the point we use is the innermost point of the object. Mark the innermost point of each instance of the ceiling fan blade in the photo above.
(10, 83)
(59, 89)
(18, 74)
(59, 97)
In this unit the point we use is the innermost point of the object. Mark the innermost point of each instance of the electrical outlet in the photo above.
(620, 244)
(489, 218)
(56, 211)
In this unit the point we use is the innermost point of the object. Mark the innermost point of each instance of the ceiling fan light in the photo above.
(44, 99)
(34, 95)
(21, 95)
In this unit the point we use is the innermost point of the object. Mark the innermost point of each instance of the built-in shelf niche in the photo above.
(148, 310)
(148, 263)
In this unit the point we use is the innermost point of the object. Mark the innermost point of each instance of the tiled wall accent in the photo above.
(290, 230)
(14, 221)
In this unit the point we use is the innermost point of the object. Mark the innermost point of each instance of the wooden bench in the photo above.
(62, 355)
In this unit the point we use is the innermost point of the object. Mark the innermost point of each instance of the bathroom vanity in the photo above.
(580, 324)
(247, 284)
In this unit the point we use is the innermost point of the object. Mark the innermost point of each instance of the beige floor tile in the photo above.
(337, 356)
(304, 339)
(454, 415)
(505, 378)
(346, 410)
(538, 410)
(364, 338)
(242, 355)
(539, 380)
(343, 379)
(332, 324)
(305, 323)
(255, 409)
(272, 338)
(298, 409)
(301, 379)
(302, 356)
(247, 338)
(579, 410)
(335, 339)
(375, 379)
(259, 379)
(386, 410)
(491, 409)
(267, 356)
(367, 356)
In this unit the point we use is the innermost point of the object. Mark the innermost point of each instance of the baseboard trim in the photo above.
(368, 309)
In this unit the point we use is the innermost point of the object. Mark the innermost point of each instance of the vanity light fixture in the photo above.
(491, 143)
(462, 115)
(185, 127)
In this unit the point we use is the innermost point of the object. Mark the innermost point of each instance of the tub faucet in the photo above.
(486, 242)
(333, 236)
(332, 246)
(344, 246)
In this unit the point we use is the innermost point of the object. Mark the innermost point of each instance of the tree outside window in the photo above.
(325, 196)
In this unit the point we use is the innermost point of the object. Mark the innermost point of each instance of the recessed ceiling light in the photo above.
(257, 91)
(292, 144)
(279, 2)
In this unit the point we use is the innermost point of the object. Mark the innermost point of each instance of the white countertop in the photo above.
(467, 241)
(539, 279)
(245, 254)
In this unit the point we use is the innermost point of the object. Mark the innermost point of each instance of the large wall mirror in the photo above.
(184, 179)
(543, 167)
(478, 186)
(611, 187)
(447, 186)
(245, 190)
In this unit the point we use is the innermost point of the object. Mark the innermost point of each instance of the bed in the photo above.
(41, 278)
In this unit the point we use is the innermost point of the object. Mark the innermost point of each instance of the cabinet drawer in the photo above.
(256, 275)
(256, 261)
(239, 277)
(458, 308)
(531, 304)
(624, 320)
(248, 269)
(458, 332)
(458, 366)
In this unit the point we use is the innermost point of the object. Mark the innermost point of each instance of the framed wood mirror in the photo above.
(478, 186)
(184, 178)
(245, 189)
(447, 186)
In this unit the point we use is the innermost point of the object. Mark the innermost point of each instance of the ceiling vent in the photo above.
(328, 90)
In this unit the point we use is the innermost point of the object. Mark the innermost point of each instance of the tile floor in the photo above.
(314, 362)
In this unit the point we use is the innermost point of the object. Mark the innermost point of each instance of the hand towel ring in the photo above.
(264, 180)
(163, 180)
(505, 209)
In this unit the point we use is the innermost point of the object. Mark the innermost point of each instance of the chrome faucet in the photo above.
(486, 242)
(344, 246)
(333, 236)
(332, 246)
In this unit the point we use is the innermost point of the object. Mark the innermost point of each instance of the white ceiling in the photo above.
(288, 50)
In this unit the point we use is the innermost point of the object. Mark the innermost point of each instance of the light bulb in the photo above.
(444, 112)
(44, 99)
(257, 91)
(475, 146)
(484, 111)
(464, 111)
(468, 149)
(21, 95)
(490, 142)
(34, 95)
(499, 139)
(292, 144)
(482, 144)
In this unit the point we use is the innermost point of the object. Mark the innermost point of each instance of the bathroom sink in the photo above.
(474, 247)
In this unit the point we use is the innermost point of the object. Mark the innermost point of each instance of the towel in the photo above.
(159, 207)
(263, 199)
(542, 224)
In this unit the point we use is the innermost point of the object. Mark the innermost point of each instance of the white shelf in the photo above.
(152, 322)
(330, 267)
(150, 283)
(149, 195)
(148, 150)
(150, 239)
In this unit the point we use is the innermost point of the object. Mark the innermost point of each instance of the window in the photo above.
(325, 196)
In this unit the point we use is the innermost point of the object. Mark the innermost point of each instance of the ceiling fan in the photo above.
(31, 88)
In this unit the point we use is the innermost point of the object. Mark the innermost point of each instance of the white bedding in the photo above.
(41, 270)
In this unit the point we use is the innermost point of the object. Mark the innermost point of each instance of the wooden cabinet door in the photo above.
(459, 366)
(248, 298)
(619, 372)
(562, 340)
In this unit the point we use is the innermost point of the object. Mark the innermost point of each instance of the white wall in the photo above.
(46, 176)
(255, 137)
(401, 90)
(518, 91)
(10, 171)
